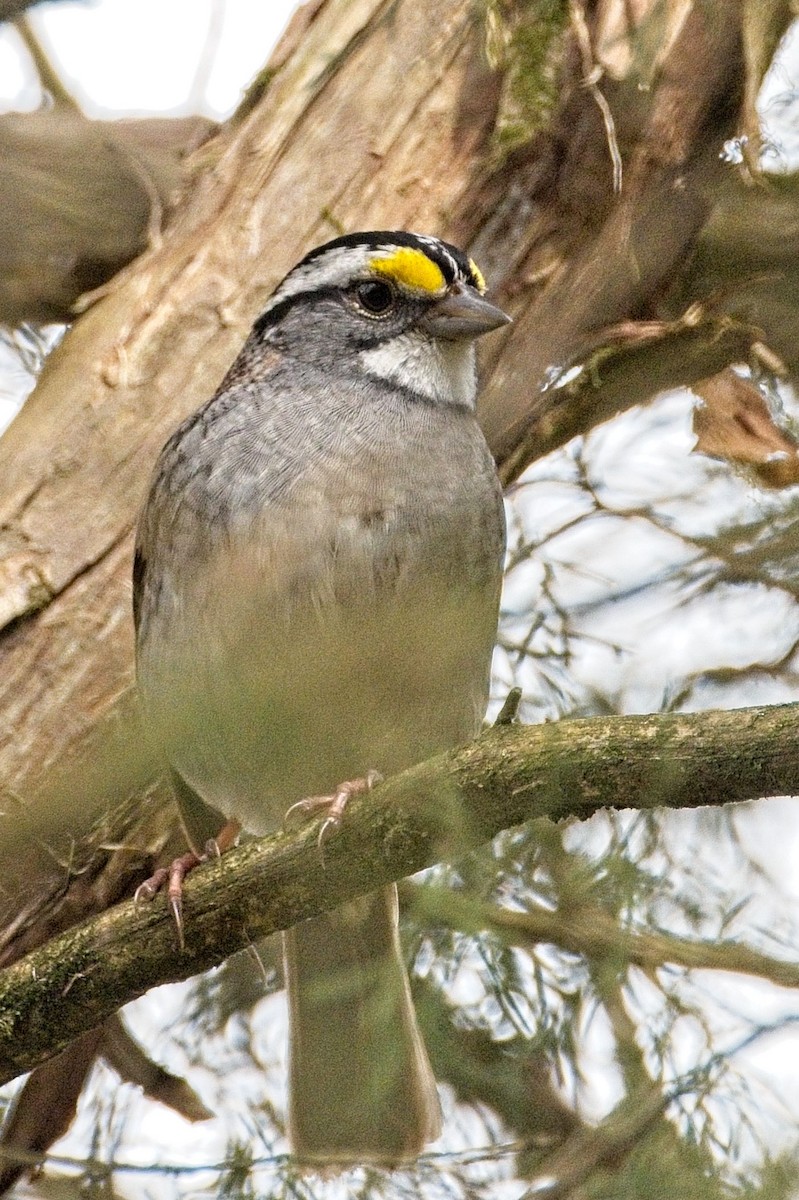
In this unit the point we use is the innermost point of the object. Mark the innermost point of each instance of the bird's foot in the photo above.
(335, 805)
(172, 877)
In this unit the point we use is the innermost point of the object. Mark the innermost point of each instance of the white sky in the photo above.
(140, 56)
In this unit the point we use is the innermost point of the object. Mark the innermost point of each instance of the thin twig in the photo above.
(49, 79)
(592, 73)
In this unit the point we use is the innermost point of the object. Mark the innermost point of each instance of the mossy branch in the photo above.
(439, 809)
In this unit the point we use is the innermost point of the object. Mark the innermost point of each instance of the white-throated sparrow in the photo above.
(315, 588)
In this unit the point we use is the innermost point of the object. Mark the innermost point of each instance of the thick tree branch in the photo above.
(439, 809)
(80, 199)
(635, 240)
(12, 8)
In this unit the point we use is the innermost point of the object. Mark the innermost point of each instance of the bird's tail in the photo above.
(361, 1088)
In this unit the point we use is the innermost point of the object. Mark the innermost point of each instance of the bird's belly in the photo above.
(265, 694)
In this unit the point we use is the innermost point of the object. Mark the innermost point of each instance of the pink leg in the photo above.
(179, 868)
(334, 804)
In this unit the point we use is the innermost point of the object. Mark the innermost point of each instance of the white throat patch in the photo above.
(442, 371)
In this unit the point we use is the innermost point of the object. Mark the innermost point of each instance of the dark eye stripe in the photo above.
(275, 314)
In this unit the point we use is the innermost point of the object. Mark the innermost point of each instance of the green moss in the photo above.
(526, 43)
(254, 94)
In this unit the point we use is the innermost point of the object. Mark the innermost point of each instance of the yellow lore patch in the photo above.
(412, 269)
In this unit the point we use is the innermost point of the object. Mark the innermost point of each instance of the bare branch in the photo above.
(49, 78)
(593, 932)
(77, 198)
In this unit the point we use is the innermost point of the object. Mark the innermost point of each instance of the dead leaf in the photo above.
(735, 423)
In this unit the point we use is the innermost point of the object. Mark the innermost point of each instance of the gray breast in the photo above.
(313, 608)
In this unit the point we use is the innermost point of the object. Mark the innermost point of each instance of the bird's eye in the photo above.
(375, 297)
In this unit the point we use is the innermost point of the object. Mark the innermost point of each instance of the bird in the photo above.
(316, 586)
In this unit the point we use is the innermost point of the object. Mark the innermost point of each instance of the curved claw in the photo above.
(151, 887)
(176, 906)
(177, 873)
(335, 804)
(328, 828)
(172, 877)
(304, 809)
